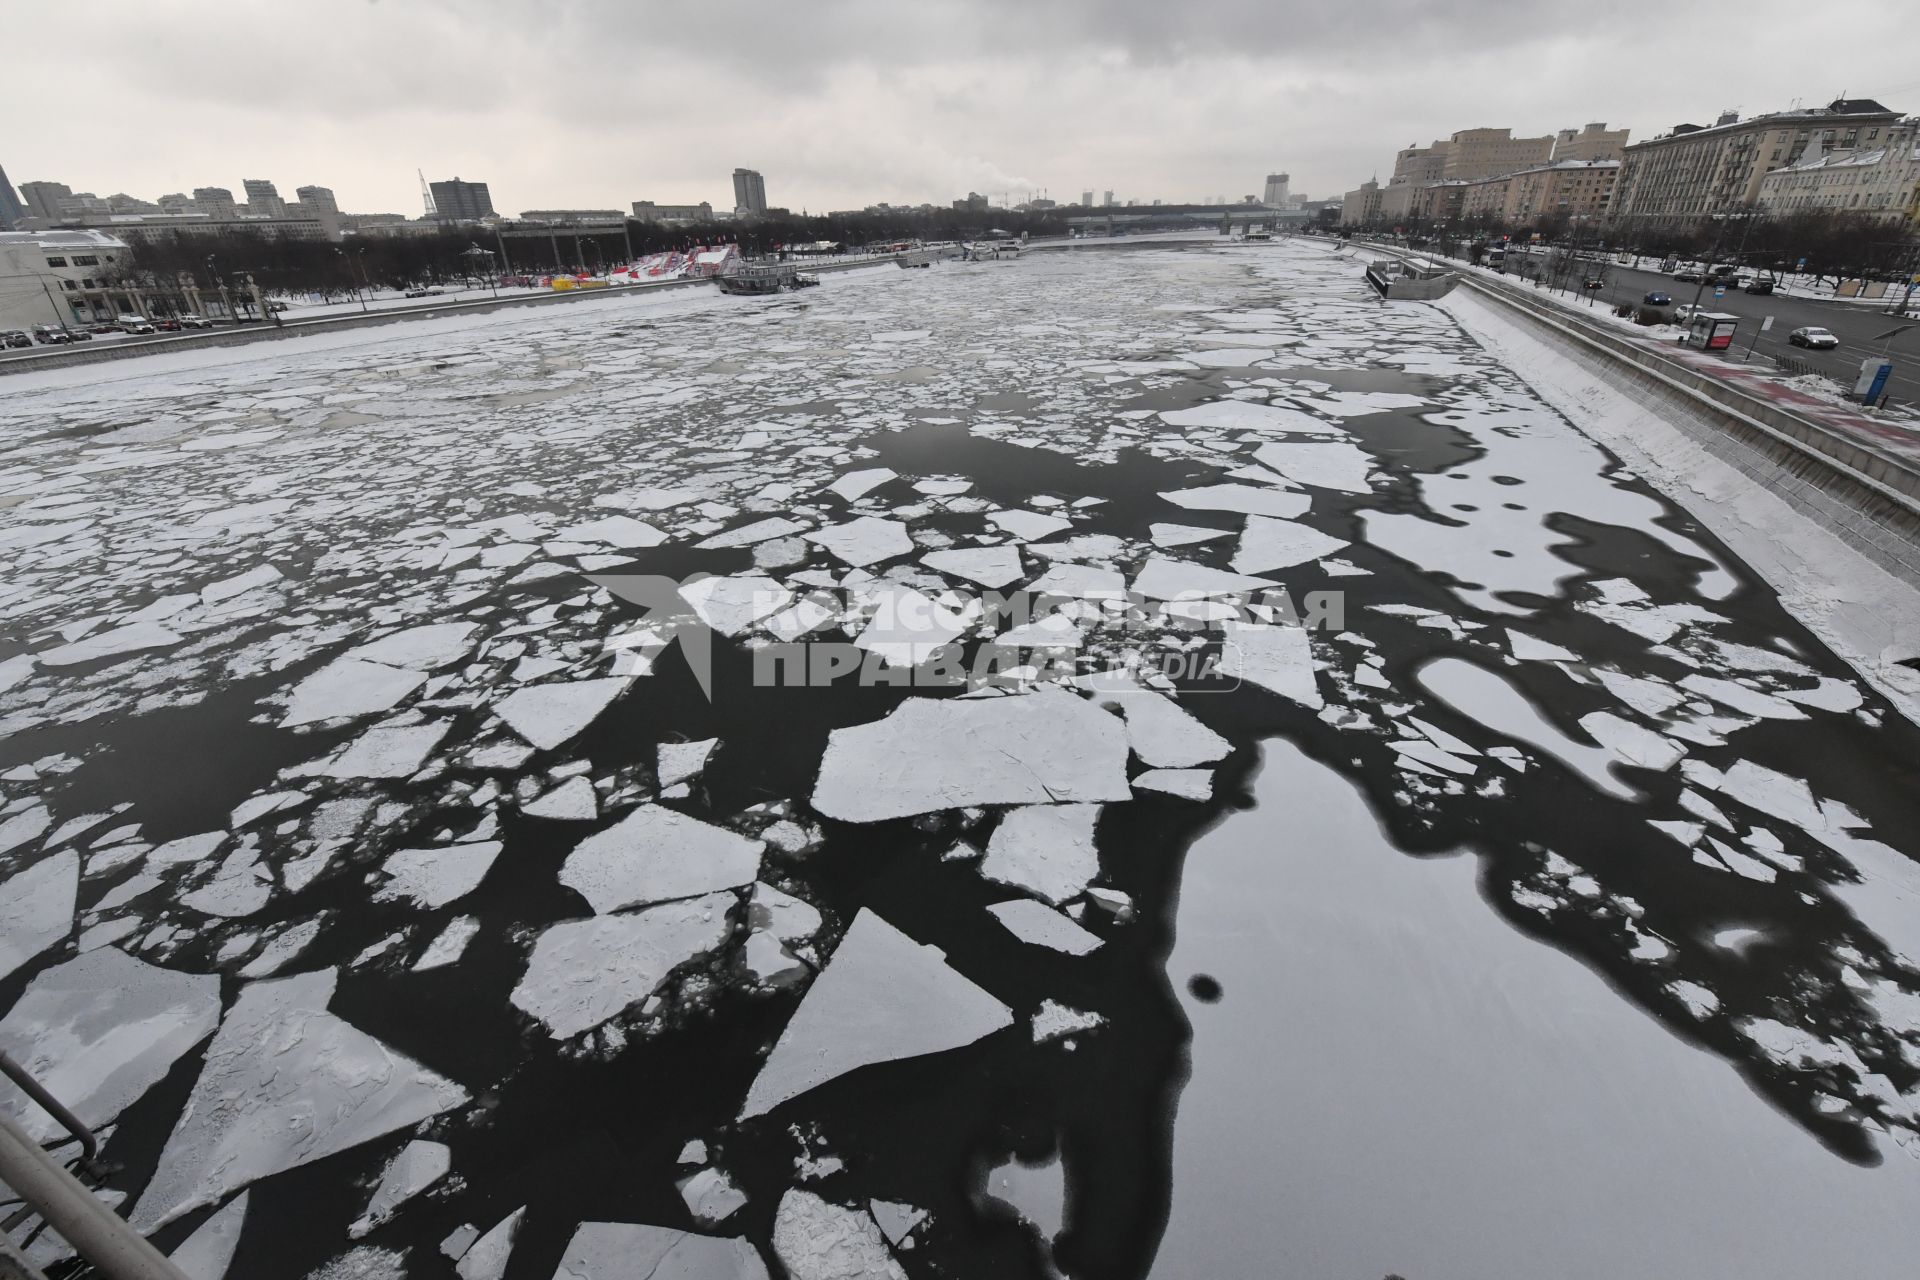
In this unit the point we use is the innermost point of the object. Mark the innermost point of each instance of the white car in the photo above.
(134, 324)
(1813, 336)
(195, 322)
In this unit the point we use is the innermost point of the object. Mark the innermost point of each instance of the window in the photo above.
(86, 260)
(86, 284)
(56, 262)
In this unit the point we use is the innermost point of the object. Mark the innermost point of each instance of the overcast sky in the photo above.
(842, 103)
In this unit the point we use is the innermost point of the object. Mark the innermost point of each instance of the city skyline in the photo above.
(922, 111)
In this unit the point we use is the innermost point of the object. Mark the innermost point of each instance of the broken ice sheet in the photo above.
(655, 854)
(867, 540)
(896, 1220)
(450, 945)
(1188, 784)
(1280, 544)
(99, 1031)
(625, 1250)
(548, 715)
(711, 1196)
(583, 972)
(679, 761)
(488, 1257)
(950, 753)
(418, 1166)
(1045, 848)
(1276, 658)
(433, 877)
(1041, 925)
(349, 687)
(731, 605)
(818, 1240)
(572, 801)
(881, 997)
(36, 908)
(388, 751)
(284, 1083)
(208, 1252)
(989, 566)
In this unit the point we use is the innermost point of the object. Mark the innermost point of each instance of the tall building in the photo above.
(1275, 194)
(43, 198)
(458, 201)
(1484, 153)
(216, 202)
(317, 199)
(1107, 198)
(11, 209)
(648, 211)
(1361, 205)
(263, 198)
(1086, 199)
(749, 191)
(1595, 142)
(1698, 170)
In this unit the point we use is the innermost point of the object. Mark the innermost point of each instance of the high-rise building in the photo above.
(1106, 198)
(11, 210)
(1275, 194)
(749, 191)
(317, 199)
(216, 202)
(43, 198)
(263, 198)
(1086, 199)
(1485, 153)
(458, 201)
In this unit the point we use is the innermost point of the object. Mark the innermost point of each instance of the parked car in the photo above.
(16, 338)
(276, 306)
(1813, 336)
(432, 291)
(103, 326)
(1658, 299)
(167, 325)
(1683, 314)
(130, 323)
(53, 335)
(82, 335)
(1593, 284)
(1759, 286)
(195, 322)
(1688, 275)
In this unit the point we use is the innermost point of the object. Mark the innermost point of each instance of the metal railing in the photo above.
(58, 1196)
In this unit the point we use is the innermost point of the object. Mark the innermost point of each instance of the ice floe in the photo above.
(947, 753)
(1042, 926)
(626, 1250)
(1047, 849)
(818, 1240)
(656, 854)
(881, 997)
(418, 1166)
(583, 972)
(548, 715)
(36, 908)
(284, 1083)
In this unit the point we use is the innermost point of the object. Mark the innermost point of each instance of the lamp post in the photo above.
(220, 283)
(358, 292)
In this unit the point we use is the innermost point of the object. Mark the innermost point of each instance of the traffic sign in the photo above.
(1719, 291)
(1800, 265)
(1766, 324)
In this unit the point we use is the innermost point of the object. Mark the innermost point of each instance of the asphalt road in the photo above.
(1855, 326)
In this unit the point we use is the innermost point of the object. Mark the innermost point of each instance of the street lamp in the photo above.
(358, 293)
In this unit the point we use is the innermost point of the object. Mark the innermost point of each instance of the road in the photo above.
(1855, 326)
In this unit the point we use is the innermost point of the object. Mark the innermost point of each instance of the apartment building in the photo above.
(1594, 142)
(1881, 179)
(1694, 171)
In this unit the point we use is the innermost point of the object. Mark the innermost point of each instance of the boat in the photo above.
(760, 279)
(1413, 278)
(914, 258)
(993, 251)
(1259, 236)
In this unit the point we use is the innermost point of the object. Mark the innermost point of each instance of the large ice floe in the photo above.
(1044, 747)
(883, 997)
(285, 1082)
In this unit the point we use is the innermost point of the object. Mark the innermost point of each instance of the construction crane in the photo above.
(426, 194)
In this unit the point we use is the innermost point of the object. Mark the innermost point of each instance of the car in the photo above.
(52, 334)
(81, 335)
(432, 291)
(1688, 275)
(167, 325)
(1658, 299)
(1683, 314)
(16, 338)
(1759, 286)
(103, 326)
(276, 306)
(130, 323)
(1813, 336)
(1593, 284)
(195, 322)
